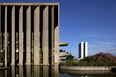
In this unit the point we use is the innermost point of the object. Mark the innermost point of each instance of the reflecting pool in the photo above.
(51, 71)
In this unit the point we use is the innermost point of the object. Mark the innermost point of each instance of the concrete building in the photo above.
(28, 29)
(83, 50)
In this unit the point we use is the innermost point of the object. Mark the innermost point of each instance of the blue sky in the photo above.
(92, 21)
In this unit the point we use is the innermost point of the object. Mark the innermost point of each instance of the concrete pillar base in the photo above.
(46, 64)
(12, 64)
(19, 64)
(27, 64)
(5, 66)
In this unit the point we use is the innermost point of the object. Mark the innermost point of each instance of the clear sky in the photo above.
(92, 21)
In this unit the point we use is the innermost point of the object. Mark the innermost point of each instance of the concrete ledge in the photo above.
(64, 55)
(63, 44)
(29, 3)
(86, 67)
(62, 50)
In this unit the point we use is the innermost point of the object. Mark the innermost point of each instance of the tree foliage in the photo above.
(70, 57)
(88, 61)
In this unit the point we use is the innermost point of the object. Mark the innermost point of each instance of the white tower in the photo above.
(86, 49)
(83, 50)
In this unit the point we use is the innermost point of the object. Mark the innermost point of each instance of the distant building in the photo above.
(83, 50)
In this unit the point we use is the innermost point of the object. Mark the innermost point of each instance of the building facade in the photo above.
(29, 33)
(83, 50)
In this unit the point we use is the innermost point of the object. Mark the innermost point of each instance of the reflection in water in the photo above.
(45, 71)
(36, 71)
(20, 71)
(56, 70)
(85, 72)
(85, 76)
(12, 71)
(28, 71)
(31, 71)
(5, 73)
(72, 73)
(50, 71)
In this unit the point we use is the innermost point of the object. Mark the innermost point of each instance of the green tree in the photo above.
(70, 58)
(88, 59)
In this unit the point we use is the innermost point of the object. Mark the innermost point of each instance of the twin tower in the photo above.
(83, 50)
(29, 33)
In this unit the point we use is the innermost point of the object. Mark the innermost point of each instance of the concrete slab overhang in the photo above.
(64, 55)
(62, 50)
(63, 44)
(29, 4)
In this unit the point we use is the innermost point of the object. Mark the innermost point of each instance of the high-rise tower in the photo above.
(83, 50)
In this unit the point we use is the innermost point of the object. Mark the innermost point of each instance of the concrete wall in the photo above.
(75, 72)
(87, 67)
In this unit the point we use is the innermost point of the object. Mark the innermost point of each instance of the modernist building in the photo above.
(28, 29)
(83, 50)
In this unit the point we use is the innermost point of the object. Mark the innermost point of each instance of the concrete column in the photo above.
(45, 44)
(21, 35)
(86, 49)
(52, 35)
(45, 71)
(13, 37)
(57, 42)
(5, 38)
(37, 35)
(0, 32)
(36, 71)
(13, 71)
(28, 36)
(32, 46)
(20, 71)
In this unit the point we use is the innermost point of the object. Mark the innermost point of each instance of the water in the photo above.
(51, 71)
(67, 73)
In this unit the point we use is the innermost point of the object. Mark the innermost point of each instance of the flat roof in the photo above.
(29, 3)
